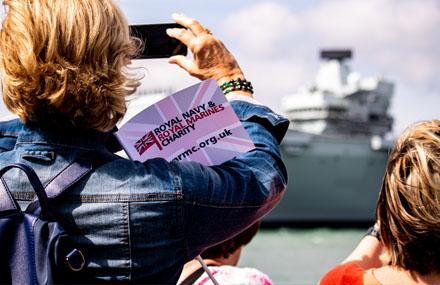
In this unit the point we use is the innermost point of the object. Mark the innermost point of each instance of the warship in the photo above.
(336, 148)
(337, 145)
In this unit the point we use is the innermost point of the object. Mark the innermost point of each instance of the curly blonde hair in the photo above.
(408, 209)
(63, 61)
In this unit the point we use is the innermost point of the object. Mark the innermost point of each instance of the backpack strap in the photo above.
(71, 174)
(75, 171)
(67, 177)
(191, 279)
(9, 201)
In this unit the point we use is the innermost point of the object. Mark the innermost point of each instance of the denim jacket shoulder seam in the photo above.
(9, 134)
(225, 206)
(105, 198)
(53, 144)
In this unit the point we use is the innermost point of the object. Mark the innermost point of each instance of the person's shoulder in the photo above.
(344, 274)
(9, 131)
(10, 127)
(256, 276)
(236, 275)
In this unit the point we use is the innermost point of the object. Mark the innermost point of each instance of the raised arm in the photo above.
(211, 58)
(220, 201)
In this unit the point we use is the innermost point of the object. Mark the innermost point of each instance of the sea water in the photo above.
(299, 256)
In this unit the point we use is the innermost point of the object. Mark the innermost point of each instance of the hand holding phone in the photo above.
(211, 59)
(157, 44)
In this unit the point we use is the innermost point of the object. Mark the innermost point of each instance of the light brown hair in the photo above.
(62, 62)
(408, 209)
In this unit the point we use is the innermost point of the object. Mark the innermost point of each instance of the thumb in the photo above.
(184, 63)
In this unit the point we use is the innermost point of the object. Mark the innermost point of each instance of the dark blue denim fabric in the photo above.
(141, 222)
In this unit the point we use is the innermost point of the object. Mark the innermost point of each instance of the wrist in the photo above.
(374, 231)
(222, 75)
(238, 86)
(234, 94)
(225, 78)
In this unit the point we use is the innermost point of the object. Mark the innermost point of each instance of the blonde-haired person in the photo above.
(62, 62)
(63, 73)
(404, 245)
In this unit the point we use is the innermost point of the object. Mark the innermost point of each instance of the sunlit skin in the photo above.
(211, 59)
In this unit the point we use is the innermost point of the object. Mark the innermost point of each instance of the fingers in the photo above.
(182, 35)
(189, 23)
(210, 59)
(184, 63)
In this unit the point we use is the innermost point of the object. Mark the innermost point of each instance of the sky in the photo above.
(277, 44)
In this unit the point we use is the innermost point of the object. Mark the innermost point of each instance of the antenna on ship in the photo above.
(333, 73)
(337, 54)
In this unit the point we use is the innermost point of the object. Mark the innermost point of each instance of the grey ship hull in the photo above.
(331, 179)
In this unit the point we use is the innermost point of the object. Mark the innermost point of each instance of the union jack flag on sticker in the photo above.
(146, 142)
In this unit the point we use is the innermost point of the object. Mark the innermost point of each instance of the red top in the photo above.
(345, 274)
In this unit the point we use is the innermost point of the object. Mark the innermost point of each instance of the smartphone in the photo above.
(157, 44)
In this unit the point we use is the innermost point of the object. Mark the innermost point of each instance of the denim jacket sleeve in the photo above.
(220, 201)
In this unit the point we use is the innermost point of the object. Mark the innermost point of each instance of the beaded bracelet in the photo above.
(238, 84)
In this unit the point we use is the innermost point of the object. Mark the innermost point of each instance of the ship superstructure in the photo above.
(337, 146)
(341, 102)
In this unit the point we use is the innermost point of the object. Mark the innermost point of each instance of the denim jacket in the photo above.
(140, 222)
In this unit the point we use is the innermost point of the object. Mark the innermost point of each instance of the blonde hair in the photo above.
(408, 209)
(62, 62)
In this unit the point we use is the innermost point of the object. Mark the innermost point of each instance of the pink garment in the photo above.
(231, 275)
